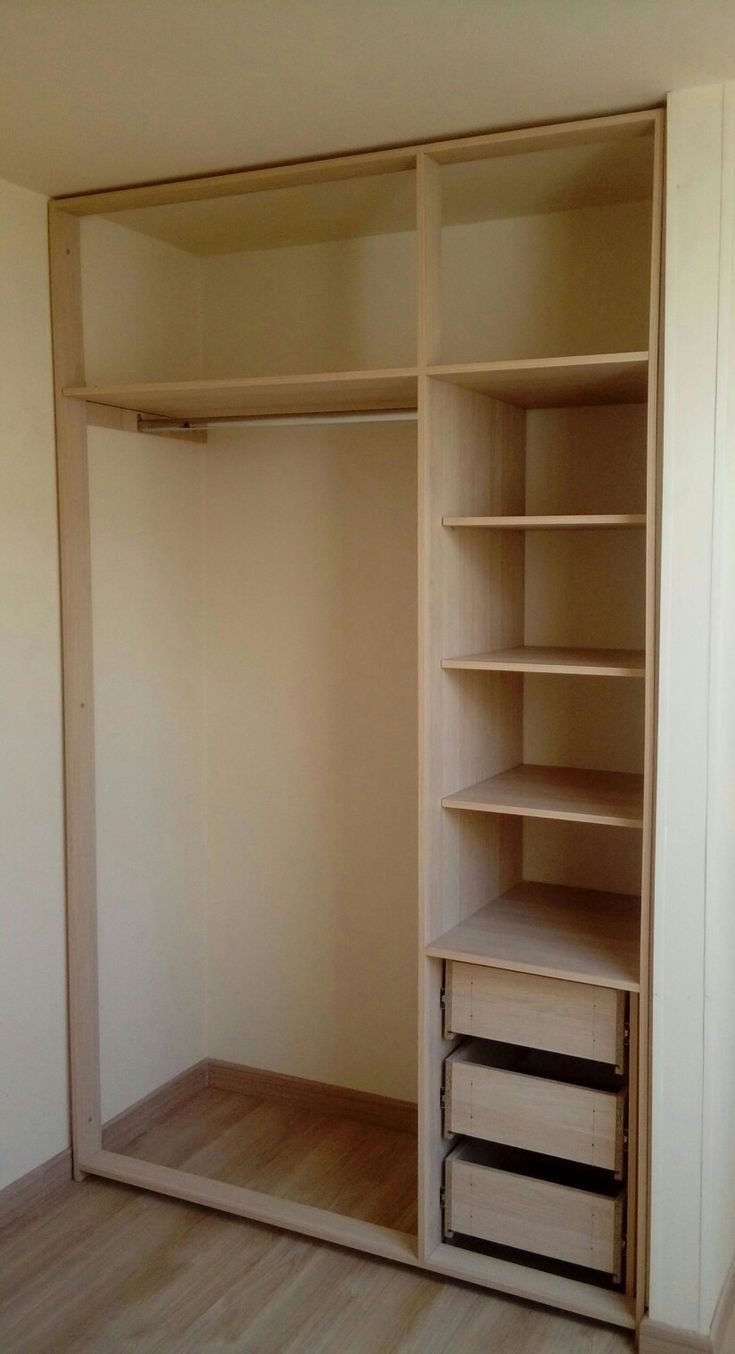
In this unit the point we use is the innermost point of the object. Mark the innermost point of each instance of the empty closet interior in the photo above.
(357, 480)
(255, 644)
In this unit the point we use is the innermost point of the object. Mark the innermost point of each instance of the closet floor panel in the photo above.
(358, 1169)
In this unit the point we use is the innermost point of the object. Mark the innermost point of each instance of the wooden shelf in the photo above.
(552, 382)
(612, 798)
(543, 382)
(572, 522)
(324, 392)
(580, 662)
(579, 934)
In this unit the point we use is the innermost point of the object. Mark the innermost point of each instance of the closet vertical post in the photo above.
(428, 242)
(654, 442)
(78, 687)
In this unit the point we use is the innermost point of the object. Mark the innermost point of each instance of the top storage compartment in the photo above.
(316, 277)
(547, 252)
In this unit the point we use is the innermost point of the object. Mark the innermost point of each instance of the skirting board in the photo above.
(145, 1113)
(35, 1188)
(722, 1331)
(40, 1184)
(401, 1115)
(657, 1338)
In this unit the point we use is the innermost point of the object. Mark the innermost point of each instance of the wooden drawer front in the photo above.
(573, 1225)
(522, 1008)
(535, 1113)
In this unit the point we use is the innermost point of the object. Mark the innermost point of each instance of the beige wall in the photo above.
(141, 306)
(147, 593)
(344, 305)
(539, 286)
(311, 750)
(33, 1059)
(268, 650)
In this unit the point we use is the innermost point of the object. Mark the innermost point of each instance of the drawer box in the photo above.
(578, 1019)
(535, 1101)
(545, 1214)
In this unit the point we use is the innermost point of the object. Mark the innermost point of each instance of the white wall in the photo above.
(718, 1202)
(33, 1057)
(693, 1148)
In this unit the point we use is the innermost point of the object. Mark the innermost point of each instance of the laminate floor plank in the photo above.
(343, 1165)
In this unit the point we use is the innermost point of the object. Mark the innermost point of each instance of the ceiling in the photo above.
(96, 93)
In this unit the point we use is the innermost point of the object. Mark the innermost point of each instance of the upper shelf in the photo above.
(324, 392)
(555, 382)
(616, 378)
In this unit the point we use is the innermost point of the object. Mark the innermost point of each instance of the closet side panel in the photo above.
(311, 752)
(145, 501)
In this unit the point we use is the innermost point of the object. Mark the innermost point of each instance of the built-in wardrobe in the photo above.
(357, 486)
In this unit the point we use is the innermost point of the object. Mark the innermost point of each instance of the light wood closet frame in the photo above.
(454, 425)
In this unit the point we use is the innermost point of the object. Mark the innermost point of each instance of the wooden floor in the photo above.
(282, 1148)
(107, 1269)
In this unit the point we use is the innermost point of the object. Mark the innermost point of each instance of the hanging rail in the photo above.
(162, 425)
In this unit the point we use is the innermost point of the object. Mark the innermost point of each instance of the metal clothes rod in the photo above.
(163, 425)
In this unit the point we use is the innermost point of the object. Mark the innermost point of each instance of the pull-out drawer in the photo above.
(518, 1097)
(548, 1213)
(578, 1019)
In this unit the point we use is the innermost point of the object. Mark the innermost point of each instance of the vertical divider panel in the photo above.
(78, 686)
(429, 226)
(471, 455)
(653, 445)
(633, 1239)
